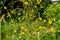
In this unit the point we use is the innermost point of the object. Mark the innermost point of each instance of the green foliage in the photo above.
(53, 13)
(24, 23)
(29, 12)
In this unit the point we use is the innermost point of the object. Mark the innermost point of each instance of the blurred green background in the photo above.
(29, 20)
